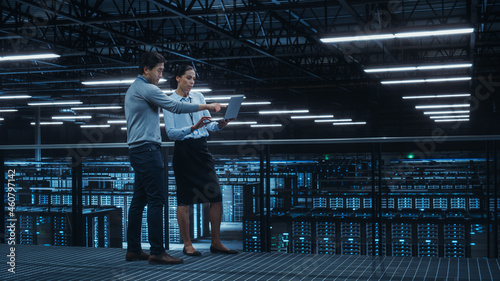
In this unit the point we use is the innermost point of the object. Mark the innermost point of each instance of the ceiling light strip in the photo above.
(256, 103)
(449, 116)
(72, 117)
(29, 57)
(11, 97)
(95, 126)
(250, 103)
(434, 32)
(96, 108)
(447, 112)
(266, 125)
(48, 123)
(219, 98)
(436, 96)
(441, 106)
(242, 123)
(201, 90)
(284, 111)
(429, 80)
(311, 116)
(54, 103)
(397, 35)
(114, 82)
(349, 123)
(414, 68)
(332, 120)
(451, 120)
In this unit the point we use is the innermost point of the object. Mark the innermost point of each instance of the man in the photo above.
(142, 103)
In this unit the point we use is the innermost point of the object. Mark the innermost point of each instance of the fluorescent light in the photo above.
(96, 108)
(29, 57)
(449, 116)
(333, 120)
(397, 35)
(250, 103)
(242, 123)
(413, 68)
(441, 106)
(451, 120)
(390, 69)
(125, 81)
(256, 103)
(404, 81)
(218, 98)
(15, 97)
(357, 38)
(448, 79)
(112, 82)
(48, 123)
(1, 119)
(8, 110)
(434, 33)
(54, 103)
(201, 90)
(72, 117)
(123, 128)
(349, 123)
(436, 96)
(444, 66)
(446, 112)
(311, 116)
(117, 121)
(284, 111)
(431, 80)
(95, 126)
(265, 125)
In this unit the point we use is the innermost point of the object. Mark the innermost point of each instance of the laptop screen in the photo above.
(234, 107)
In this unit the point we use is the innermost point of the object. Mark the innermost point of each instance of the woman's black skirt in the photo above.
(195, 174)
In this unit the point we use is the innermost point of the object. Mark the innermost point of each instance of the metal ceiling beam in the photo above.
(126, 36)
(175, 10)
(361, 22)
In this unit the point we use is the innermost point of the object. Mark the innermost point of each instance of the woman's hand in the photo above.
(222, 123)
(202, 122)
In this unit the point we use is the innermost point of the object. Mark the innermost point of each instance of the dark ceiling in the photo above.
(266, 50)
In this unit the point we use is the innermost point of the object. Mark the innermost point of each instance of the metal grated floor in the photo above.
(75, 263)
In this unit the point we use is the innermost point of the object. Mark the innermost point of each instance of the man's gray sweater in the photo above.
(142, 103)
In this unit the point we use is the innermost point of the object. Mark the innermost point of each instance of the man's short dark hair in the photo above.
(150, 60)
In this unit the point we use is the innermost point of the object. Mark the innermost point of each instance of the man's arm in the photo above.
(154, 95)
(215, 107)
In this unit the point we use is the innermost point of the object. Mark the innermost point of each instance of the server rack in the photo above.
(40, 226)
(448, 193)
(433, 207)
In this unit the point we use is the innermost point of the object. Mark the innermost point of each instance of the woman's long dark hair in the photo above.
(179, 71)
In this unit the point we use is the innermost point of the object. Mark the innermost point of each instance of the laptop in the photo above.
(233, 107)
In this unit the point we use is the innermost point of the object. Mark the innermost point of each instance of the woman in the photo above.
(193, 165)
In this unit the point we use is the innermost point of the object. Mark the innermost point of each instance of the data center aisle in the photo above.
(78, 263)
